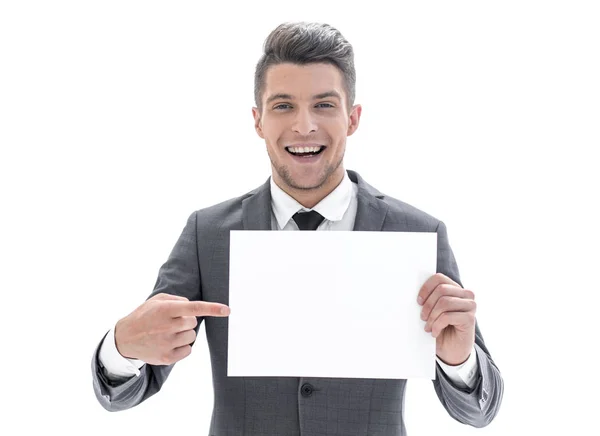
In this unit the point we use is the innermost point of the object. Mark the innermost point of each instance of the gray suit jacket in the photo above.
(198, 268)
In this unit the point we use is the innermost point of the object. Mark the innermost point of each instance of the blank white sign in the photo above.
(329, 304)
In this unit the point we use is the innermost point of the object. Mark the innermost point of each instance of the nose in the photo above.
(304, 123)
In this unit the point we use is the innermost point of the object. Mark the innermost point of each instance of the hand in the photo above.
(450, 314)
(161, 330)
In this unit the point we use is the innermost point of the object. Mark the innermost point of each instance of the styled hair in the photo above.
(306, 43)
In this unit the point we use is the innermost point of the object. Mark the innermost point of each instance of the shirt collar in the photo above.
(333, 207)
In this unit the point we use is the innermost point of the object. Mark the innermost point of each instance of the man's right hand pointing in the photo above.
(160, 331)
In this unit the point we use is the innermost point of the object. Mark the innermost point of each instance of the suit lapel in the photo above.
(256, 209)
(371, 212)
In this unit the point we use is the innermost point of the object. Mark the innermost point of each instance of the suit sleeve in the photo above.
(478, 406)
(179, 275)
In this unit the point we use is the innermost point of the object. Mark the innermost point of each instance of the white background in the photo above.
(120, 118)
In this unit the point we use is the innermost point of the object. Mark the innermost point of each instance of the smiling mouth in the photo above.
(305, 151)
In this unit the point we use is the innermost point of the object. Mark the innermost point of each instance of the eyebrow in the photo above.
(315, 97)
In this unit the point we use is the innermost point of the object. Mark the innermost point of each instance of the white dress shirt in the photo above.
(339, 210)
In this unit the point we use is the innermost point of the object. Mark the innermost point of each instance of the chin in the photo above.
(301, 179)
(307, 187)
(306, 183)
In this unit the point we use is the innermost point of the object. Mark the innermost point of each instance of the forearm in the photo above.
(476, 406)
(117, 393)
(464, 375)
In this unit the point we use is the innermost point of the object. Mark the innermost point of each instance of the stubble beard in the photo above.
(284, 174)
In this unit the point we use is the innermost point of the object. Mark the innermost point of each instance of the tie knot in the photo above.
(308, 220)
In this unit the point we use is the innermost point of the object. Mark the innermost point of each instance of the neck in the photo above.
(309, 198)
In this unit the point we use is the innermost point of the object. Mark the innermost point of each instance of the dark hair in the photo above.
(305, 43)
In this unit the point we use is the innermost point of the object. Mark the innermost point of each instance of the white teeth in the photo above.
(304, 149)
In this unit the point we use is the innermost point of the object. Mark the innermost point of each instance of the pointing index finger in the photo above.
(198, 308)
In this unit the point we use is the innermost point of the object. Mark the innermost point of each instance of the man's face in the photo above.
(305, 122)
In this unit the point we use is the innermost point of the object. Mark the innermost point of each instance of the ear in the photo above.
(257, 122)
(354, 119)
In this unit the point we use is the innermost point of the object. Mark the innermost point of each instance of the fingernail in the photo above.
(224, 310)
(420, 300)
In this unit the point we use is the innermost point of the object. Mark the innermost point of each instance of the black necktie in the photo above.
(308, 220)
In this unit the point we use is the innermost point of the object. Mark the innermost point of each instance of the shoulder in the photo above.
(224, 215)
(220, 211)
(399, 213)
(402, 212)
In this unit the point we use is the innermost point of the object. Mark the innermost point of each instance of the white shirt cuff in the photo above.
(464, 375)
(113, 362)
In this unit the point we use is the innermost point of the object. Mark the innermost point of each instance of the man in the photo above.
(304, 92)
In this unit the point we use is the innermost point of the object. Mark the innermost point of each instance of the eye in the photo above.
(283, 106)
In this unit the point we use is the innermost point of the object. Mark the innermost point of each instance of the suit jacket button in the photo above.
(306, 390)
